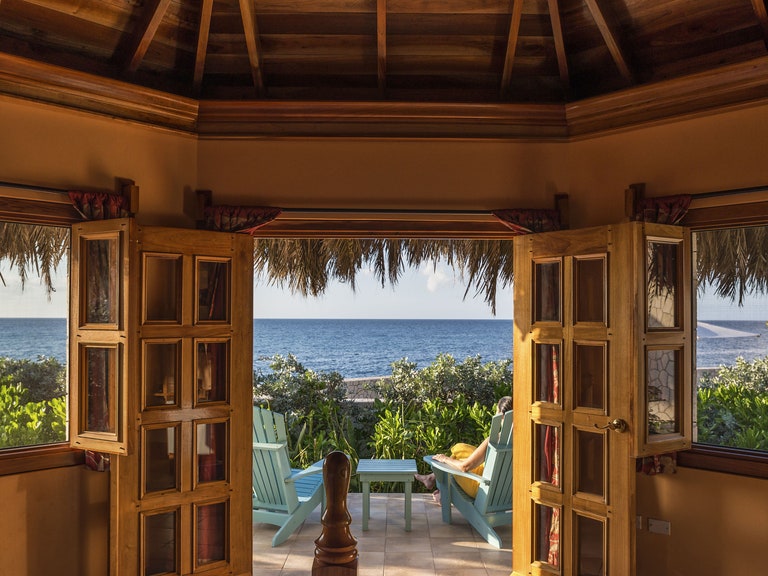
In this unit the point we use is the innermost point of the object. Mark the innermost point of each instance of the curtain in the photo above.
(524, 221)
(552, 461)
(664, 210)
(245, 219)
(99, 205)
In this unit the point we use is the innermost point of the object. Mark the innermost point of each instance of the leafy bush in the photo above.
(44, 378)
(733, 405)
(26, 423)
(446, 380)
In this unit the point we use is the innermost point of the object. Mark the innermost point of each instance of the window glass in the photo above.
(34, 288)
(731, 337)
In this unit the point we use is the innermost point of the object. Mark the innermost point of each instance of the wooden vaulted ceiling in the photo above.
(555, 67)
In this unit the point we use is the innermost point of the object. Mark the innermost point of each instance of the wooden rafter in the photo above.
(252, 41)
(762, 16)
(557, 32)
(611, 40)
(381, 41)
(202, 42)
(514, 31)
(151, 17)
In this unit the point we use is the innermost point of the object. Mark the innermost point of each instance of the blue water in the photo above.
(366, 348)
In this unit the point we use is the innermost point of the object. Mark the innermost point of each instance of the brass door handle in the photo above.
(617, 425)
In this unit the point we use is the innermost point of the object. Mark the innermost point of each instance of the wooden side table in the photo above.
(386, 471)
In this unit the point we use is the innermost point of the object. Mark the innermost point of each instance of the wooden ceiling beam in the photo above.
(252, 41)
(381, 42)
(611, 41)
(202, 43)
(514, 32)
(145, 32)
(557, 32)
(762, 16)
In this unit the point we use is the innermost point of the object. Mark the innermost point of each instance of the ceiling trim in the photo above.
(733, 85)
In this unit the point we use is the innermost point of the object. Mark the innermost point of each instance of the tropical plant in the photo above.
(733, 406)
(44, 378)
(27, 423)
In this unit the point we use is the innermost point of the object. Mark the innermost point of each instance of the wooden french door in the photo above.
(602, 376)
(574, 477)
(162, 359)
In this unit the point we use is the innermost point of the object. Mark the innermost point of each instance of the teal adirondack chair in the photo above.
(493, 504)
(282, 496)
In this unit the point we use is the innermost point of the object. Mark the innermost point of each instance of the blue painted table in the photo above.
(386, 471)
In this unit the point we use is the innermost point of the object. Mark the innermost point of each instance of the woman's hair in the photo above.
(504, 405)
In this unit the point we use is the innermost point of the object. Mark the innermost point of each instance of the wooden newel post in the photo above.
(336, 548)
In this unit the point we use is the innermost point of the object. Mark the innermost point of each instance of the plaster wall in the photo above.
(404, 174)
(48, 146)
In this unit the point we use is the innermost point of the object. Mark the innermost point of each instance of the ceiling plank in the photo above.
(145, 31)
(202, 43)
(514, 31)
(557, 32)
(611, 40)
(381, 40)
(762, 16)
(253, 43)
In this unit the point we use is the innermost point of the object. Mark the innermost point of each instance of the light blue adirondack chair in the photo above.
(493, 504)
(282, 496)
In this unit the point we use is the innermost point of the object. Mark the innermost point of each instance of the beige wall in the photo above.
(719, 524)
(46, 146)
(54, 522)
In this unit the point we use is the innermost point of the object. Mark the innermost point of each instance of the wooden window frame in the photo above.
(43, 207)
(717, 211)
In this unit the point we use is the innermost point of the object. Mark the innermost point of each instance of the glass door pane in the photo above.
(212, 374)
(590, 376)
(160, 464)
(211, 533)
(101, 280)
(663, 409)
(160, 543)
(663, 280)
(590, 546)
(162, 283)
(101, 388)
(547, 535)
(211, 451)
(590, 302)
(213, 279)
(547, 376)
(546, 292)
(161, 372)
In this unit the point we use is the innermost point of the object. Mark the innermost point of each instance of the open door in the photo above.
(161, 365)
(585, 347)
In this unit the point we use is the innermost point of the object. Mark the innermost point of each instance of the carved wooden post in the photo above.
(335, 548)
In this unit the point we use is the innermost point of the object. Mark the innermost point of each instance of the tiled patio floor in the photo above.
(430, 549)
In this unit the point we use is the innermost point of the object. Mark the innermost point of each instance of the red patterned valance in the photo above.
(245, 219)
(524, 221)
(664, 210)
(100, 205)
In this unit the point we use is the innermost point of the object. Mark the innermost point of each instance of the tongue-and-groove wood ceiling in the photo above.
(557, 68)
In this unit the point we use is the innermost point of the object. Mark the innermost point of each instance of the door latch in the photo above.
(617, 425)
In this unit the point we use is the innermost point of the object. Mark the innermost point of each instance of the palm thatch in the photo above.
(29, 248)
(734, 261)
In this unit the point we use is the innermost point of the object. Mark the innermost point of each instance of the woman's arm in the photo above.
(472, 461)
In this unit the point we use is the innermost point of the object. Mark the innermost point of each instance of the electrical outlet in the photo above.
(659, 526)
(639, 522)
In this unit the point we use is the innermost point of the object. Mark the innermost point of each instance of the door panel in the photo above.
(601, 372)
(180, 489)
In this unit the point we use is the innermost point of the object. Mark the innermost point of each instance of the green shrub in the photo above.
(44, 378)
(26, 423)
(733, 406)
(446, 380)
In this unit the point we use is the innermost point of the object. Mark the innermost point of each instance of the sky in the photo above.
(421, 294)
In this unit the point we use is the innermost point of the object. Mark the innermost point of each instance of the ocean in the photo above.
(367, 348)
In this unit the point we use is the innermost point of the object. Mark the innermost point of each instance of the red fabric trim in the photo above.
(523, 221)
(664, 210)
(245, 219)
(99, 205)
